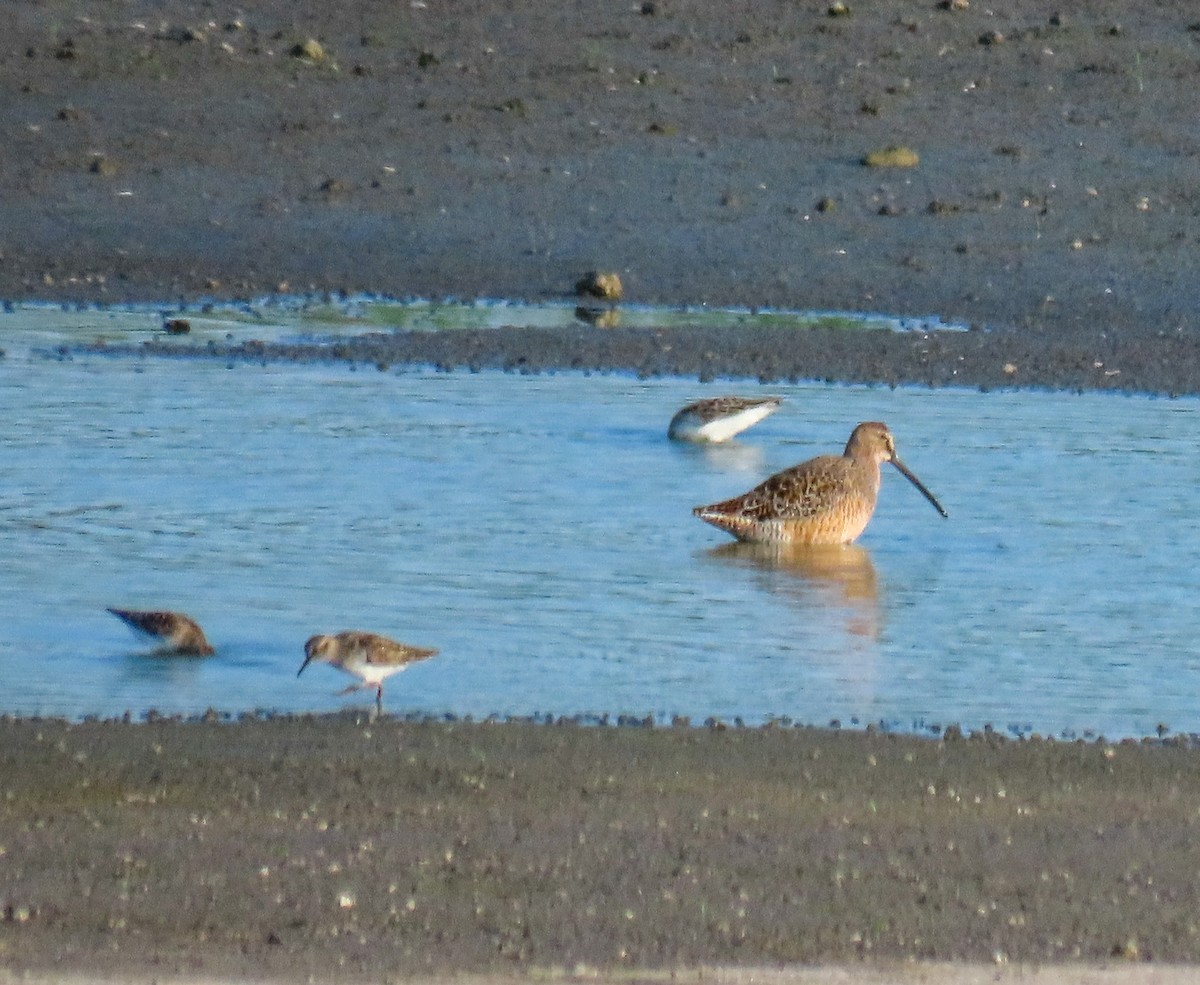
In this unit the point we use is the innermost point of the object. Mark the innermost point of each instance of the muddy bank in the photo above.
(710, 155)
(984, 360)
(336, 848)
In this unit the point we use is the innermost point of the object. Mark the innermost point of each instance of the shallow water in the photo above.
(537, 529)
(45, 326)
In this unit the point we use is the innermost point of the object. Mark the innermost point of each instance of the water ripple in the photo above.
(537, 530)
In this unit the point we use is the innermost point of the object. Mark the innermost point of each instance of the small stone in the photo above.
(310, 50)
(103, 166)
(515, 106)
(604, 286)
(892, 157)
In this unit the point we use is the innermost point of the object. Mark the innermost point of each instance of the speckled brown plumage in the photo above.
(368, 656)
(826, 500)
(175, 632)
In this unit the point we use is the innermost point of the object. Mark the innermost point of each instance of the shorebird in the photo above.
(369, 657)
(175, 632)
(826, 500)
(720, 418)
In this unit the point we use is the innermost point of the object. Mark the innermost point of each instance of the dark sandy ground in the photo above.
(348, 850)
(710, 152)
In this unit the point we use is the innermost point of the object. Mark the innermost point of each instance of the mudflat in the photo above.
(711, 154)
(343, 849)
(1045, 193)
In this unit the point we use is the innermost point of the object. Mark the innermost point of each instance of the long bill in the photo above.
(904, 471)
(308, 659)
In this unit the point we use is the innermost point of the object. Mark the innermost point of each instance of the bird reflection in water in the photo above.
(826, 579)
(726, 457)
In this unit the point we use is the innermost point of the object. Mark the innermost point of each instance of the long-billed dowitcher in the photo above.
(826, 500)
(368, 656)
(175, 632)
(719, 418)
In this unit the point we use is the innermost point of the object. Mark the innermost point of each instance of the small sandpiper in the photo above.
(368, 656)
(827, 500)
(719, 418)
(175, 632)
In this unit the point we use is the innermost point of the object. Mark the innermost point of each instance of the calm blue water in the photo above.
(537, 530)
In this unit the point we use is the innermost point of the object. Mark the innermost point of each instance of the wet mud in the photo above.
(707, 155)
(346, 849)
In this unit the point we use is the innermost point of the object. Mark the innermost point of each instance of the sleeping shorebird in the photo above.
(175, 632)
(719, 418)
(369, 657)
(826, 500)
